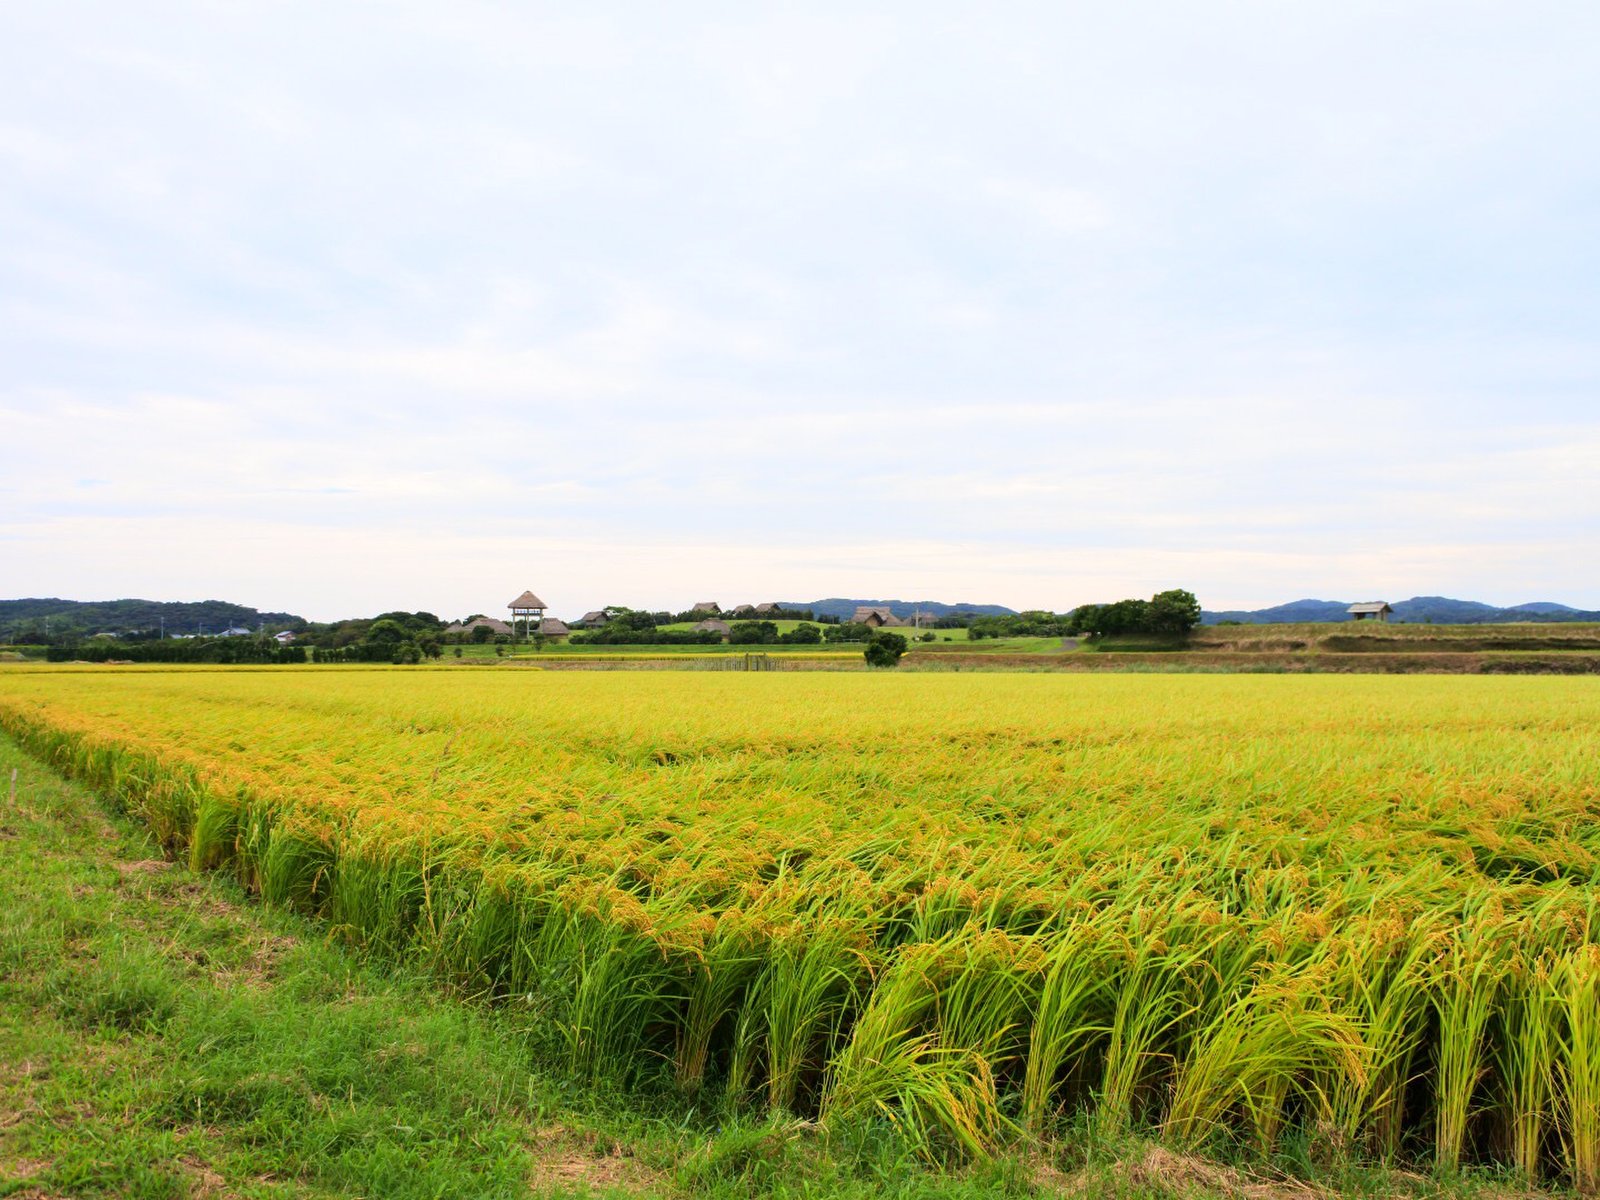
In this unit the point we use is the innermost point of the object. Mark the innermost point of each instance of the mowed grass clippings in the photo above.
(1348, 918)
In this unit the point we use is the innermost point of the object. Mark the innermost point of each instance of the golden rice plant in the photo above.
(962, 905)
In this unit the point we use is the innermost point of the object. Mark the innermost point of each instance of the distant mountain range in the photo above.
(845, 609)
(1419, 610)
(19, 617)
(135, 616)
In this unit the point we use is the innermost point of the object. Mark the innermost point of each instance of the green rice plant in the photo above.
(296, 868)
(1467, 979)
(1382, 979)
(1578, 1065)
(896, 1065)
(1155, 995)
(719, 974)
(985, 983)
(1530, 1013)
(377, 898)
(625, 987)
(1073, 1013)
(215, 840)
(806, 987)
(1252, 1053)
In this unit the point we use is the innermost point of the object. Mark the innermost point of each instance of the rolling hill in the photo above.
(1437, 610)
(844, 609)
(19, 617)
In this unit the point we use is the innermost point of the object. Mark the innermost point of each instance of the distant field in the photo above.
(910, 634)
(1359, 914)
(1529, 635)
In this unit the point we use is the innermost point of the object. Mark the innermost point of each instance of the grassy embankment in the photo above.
(1539, 649)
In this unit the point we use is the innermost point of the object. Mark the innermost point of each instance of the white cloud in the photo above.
(1030, 307)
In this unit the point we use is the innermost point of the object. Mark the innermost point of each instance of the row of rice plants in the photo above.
(1220, 908)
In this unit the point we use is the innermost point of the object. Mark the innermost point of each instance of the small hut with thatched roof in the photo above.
(877, 616)
(1370, 610)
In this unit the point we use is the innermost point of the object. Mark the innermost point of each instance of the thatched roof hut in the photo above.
(492, 624)
(876, 615)
(1370, 610)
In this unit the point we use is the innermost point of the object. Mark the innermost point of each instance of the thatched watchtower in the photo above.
(527, 610)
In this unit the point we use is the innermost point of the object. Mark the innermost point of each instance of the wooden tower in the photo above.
(528, 610)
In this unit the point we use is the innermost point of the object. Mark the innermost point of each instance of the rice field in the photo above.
(1355, 912)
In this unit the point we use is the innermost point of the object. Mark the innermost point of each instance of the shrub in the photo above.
(884, 650)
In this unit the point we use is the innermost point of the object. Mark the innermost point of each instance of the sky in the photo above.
(335, 308)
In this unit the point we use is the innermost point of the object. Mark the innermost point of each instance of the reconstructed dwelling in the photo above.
(878, 616)
(1370, 610)
(492, 624)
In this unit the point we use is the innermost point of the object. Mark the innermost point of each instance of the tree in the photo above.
(481, 634)
(848, 631)
(752, 633)
(1173, 612)
(884, 650)
(803, 634)
(1125, 616)
(386, 632)
(1167, 614)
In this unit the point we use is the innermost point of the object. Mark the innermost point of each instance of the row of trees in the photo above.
(1035, 623)
(1169, 614)
(615, 634)
(394, 626)
(765, 633)
(233, 650)
(639, 619)
(740, 633)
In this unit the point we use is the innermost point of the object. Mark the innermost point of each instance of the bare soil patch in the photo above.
(568, 1158)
